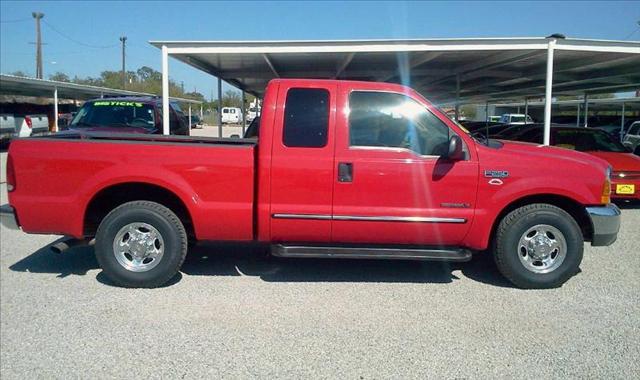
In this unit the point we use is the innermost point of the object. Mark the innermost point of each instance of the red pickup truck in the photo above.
(338, 169)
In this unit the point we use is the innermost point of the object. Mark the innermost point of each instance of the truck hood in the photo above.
(519, 149)
(620, 161)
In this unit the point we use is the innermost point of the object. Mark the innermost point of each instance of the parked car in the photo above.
(392, 179)
(632, 138)
(196, 122)
(476, 125)
(625, 165)
(8, 128)
(64, 119)
(612, 130)
(37, 124)
(515, 118)
(252, 114)
(231, 115)
(140, 115)
(512, 132)
(12, 126)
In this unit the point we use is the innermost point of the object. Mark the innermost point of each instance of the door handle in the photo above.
(345, 172)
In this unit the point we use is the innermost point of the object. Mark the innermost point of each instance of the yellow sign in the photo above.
(625, 189)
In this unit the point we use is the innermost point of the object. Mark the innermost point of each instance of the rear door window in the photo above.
(306, 118)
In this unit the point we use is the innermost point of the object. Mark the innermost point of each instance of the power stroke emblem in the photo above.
(496, 173)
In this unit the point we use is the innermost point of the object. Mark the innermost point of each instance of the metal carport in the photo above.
(24, 86)
(447, 71)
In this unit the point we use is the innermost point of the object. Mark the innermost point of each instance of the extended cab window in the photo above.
(394, 120)
(306, 118)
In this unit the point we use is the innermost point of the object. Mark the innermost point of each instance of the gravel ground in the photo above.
(233, 313)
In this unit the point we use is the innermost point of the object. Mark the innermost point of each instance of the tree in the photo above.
(19, 73)
(231, 98)
(60, 77)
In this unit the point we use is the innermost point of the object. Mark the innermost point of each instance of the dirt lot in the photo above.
(234, 313)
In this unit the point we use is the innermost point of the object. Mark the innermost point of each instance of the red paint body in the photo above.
(231, 191)
(626, 170)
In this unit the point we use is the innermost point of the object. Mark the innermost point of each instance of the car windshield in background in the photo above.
(585, 140)
(107, 113)
(517, 119)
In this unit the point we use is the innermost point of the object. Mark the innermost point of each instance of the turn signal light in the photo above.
(606, 189)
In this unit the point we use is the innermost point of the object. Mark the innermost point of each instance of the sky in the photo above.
(82, 38)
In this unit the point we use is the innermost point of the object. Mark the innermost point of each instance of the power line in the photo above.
(634, 32)
(15, 20)
(76, 41)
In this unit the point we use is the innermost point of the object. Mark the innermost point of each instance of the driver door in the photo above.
(393, 183)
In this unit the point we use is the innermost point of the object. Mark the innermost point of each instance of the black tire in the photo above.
(519, 221)
(164, 221)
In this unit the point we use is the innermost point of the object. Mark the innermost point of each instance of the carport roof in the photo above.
(24, 86)
(485, 68)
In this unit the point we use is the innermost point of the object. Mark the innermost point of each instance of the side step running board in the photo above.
(435, 254)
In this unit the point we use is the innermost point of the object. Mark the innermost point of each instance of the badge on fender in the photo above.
(496, 173)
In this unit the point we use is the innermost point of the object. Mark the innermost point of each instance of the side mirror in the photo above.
(234, 136)
(455, 152)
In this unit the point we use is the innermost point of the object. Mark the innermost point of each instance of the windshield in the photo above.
(587, 141)
(107, 113)
(517, 119)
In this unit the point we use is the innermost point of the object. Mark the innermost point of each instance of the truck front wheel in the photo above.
(141, 244)
(538, 246)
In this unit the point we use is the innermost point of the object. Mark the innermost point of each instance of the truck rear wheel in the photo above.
(538, 246)
(141, 244)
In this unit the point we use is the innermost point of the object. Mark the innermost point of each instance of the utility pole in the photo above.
(182, 86)
(123, 39)
(38, 16)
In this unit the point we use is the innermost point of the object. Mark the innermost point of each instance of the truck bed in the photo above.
(58, 176)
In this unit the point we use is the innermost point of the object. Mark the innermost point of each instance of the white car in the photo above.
(515, 119)
(12, 126)
(252, 114)
(231, 115)
(632, 138)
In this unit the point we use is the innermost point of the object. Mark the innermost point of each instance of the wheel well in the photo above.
(573, 208)
(111, 197)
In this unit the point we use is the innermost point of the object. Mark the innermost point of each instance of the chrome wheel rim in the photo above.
(138, 247)
(542, 248)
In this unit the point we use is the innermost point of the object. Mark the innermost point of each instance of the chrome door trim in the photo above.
(302, 216)
(403, 219)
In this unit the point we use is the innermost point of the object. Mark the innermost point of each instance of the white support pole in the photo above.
(165, 90)
(55, 109)
(189, 118)
(622, 123)
(219, 107)
(201, 116)
(244, 115)
(457, 97)
(578, 116)
(526, 109)
(586, 110)
(547, 95)
(486, 112)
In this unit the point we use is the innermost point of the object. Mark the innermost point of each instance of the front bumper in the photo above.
(8, 217)
(606, 224)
